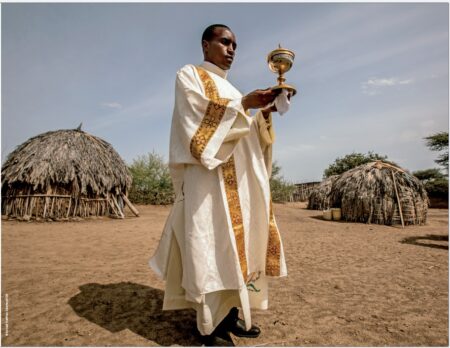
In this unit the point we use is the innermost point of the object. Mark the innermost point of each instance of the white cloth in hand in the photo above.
(282, 101)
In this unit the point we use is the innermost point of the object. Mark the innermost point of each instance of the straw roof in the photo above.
(374, 191)
(319, 198)
(86, 164)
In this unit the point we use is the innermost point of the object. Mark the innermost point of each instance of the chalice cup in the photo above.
(280, 61)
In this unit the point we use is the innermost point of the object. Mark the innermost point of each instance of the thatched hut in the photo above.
(319, 197)
(64, 174)
(380, 193)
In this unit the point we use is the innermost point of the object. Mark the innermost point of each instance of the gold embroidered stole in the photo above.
(234, 206)
(213, 115)
(273, 257)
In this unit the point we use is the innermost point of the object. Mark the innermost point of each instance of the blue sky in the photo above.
(370, 76)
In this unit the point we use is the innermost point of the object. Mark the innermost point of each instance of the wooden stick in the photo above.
(26, 203)
(93, 199)
(45, 208)
(118, 207)
(22, 203)
(8, 207)
(46, 203)
(132, 208)
(76, 206)
(36, 195)
(61, 206)
(51, 209)
(380, 164)
(398, 200)
(56, 213)
(32, 204)
(112, 207)
(68, 210)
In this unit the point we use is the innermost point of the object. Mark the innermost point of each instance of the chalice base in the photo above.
(285, 86)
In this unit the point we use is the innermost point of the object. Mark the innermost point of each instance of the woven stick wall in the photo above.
(319, 197)
(64, 174)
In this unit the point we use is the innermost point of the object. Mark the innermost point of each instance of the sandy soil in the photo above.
(88, 284)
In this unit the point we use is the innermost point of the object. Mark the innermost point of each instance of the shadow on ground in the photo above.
(418, 240)
(138, 308)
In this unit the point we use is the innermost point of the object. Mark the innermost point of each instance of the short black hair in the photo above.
(208, 34)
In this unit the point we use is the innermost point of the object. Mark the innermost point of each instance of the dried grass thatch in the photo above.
(319, 197)
(64, 173)
(373, 193)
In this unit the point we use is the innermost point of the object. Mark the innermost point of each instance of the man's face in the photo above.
(220, 50)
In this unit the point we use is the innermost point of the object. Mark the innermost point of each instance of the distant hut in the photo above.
(380, 193)
(303, 190)
(64, 174)
(319, 198)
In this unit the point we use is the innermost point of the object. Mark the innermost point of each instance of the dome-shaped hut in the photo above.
(319, 198)
(380, 193)
(64, 174)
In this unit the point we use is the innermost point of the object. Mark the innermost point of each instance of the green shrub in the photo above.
(151, 180)
(280, 189)
(426, 175)
(437, 188)
(439, 142)
(341, 165)
(435, 183)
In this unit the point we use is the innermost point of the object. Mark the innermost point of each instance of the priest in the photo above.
(220, 243)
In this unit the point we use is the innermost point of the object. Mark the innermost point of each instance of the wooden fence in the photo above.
(303, 191)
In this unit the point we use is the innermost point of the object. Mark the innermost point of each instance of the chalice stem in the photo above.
(281, 79)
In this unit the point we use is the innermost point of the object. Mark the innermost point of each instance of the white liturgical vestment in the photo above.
(220, 241)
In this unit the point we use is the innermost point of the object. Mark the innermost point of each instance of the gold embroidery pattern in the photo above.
(208, 126)
(231, 189)
(273, 256)
(214, 113)
(208, 84)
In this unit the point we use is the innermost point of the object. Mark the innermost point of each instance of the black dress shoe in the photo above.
(236, 326)
(238, 329)
(217, 339)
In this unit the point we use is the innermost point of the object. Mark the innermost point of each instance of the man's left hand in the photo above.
(266, 112)
(272, 108)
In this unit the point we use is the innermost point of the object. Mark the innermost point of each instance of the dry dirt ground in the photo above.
(88, 284)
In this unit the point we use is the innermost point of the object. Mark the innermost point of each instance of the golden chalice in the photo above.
(280, 61)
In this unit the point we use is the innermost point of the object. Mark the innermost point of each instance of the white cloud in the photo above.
(112, 105)
(374, 86)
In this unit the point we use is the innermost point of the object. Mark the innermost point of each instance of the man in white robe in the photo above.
(220, 241)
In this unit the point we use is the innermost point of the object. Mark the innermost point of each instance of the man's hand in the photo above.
(272, 108)
(259, 98)
(266, 112)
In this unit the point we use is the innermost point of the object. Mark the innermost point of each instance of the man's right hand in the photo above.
(259, 98)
